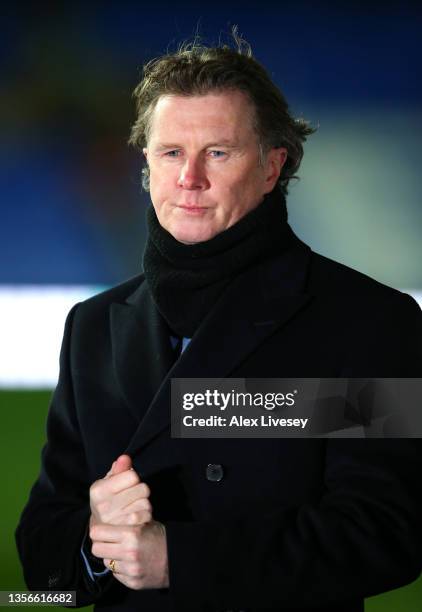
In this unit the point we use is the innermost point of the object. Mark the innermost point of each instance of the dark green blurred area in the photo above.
(22, 436)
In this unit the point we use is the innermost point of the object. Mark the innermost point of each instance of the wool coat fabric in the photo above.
(294, 524)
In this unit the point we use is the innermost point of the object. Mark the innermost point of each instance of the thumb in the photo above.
(122, 463)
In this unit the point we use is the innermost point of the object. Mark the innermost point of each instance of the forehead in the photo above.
(226, 114)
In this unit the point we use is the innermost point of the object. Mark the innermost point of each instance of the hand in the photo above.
(141, 555)
(139, 552)
(120, 498)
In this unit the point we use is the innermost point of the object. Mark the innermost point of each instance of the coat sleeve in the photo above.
(54, 521)
(363, 536)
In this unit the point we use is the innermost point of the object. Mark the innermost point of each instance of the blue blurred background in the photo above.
(72, 210)
(72, 207)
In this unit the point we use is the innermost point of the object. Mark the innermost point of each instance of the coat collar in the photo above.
(255, 305)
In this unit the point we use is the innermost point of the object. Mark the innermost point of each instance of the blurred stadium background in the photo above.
(72, 211)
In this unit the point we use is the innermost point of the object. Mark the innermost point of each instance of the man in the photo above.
(133, 519)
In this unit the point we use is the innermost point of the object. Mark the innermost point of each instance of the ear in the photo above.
(275, 160)
(145, 153)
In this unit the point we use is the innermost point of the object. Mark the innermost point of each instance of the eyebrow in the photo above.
(228, 144)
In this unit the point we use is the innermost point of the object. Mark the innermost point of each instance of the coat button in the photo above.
(214, 472)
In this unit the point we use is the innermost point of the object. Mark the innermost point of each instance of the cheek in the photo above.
(163, 181)
(239, 192)
(158, 187)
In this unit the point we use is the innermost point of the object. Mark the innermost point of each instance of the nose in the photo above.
(193, 175)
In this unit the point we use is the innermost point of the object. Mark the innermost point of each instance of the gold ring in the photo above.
(112, 565)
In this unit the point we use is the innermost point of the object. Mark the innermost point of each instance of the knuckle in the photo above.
(95, 549)
(103, 508)
(136, 532)
(127, 479)
(130, 533)
(133, 518)
(134, 570)
(129, 540)
(145, 490)
(93, 490)
(133, 555)
(104, 505)
(132, 477)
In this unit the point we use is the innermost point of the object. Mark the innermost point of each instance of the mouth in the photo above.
(192, 209)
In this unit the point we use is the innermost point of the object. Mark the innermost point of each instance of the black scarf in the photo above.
(186, 280)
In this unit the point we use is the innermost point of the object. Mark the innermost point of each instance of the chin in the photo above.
(192, 235)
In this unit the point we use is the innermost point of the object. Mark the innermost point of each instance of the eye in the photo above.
(173, 153)
(217, 154)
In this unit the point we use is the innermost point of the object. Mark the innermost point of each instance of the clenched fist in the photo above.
(120, 498)
(121, 528)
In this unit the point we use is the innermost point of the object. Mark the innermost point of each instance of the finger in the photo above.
(102, 532)
(107, 564)
(127, 573)
(140, 504)
(101, 490)
(134, 518)
(124, 516)
(110, 550)
(119, 482)
(117, 565)
(128, 496)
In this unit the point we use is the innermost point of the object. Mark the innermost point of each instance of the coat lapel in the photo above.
(255, 305)
(142, 353)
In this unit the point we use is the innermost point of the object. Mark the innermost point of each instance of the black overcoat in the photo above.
(294, 524)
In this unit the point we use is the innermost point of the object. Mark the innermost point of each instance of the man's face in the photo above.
(203, 157)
